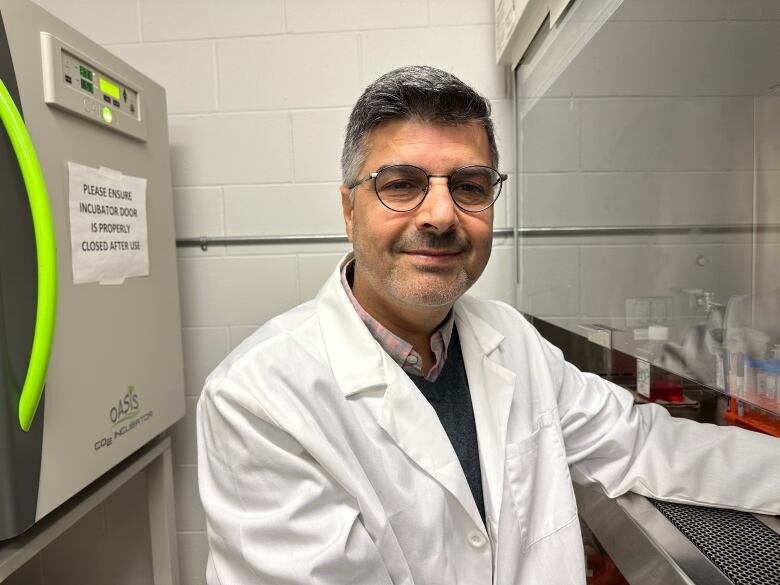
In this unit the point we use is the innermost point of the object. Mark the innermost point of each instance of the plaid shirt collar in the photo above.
(399, 350)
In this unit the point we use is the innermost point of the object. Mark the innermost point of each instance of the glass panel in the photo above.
(649, 197)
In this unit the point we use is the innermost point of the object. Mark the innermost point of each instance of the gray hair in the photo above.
(420, 92)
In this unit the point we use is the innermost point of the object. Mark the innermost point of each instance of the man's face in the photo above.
(430, 256)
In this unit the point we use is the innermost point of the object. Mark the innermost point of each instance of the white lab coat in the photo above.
(321, 463)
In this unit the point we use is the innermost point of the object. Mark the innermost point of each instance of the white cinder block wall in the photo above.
(258, 96)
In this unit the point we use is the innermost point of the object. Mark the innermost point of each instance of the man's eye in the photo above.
(399, 185)
(470, 188)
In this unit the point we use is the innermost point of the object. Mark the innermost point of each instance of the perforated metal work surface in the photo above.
(742, 547)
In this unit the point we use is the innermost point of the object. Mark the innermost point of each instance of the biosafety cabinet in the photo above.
(648, 176)
(90, 332)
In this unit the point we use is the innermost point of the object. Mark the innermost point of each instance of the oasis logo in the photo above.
(127, 408)
(125, 416)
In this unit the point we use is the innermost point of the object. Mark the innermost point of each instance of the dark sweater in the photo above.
(449, 395)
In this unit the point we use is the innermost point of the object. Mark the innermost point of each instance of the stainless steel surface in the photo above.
(645, 546)
(204, 242)
(742, 547)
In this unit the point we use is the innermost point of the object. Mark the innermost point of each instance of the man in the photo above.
(393, 430)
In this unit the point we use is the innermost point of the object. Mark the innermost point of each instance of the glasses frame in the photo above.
(501, 178)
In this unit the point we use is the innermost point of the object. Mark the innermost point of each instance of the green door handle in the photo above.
(46, 250)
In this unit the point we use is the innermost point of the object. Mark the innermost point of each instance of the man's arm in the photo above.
(275, 516)
(622, 447)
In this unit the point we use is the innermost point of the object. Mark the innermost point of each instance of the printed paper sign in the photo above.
(108, 234)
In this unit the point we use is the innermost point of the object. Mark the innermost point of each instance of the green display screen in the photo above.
(109, 88)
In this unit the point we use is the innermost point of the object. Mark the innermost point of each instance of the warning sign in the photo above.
(108, 233)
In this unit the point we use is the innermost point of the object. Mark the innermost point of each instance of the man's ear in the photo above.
(347, 209)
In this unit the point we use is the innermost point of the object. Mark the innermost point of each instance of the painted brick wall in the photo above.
(258, 96)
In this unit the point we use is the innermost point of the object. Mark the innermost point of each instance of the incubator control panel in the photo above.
(75, 83)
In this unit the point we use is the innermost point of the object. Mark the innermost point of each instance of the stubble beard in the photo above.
(413, 286)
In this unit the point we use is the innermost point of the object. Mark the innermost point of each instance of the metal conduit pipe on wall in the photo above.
(204, 242)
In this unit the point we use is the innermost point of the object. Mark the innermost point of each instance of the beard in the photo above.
(428, 286)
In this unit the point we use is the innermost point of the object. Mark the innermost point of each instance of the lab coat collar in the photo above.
(353, 353)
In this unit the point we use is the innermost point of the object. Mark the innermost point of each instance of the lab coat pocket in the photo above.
(539, 485)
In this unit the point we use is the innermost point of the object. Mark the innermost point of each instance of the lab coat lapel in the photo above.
(359, 365)
(492, 388)
(414, 426)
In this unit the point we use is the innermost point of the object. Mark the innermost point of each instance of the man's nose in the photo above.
(437, 212)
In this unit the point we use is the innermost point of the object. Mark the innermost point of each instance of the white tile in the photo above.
(497, 281)
(197, 252)
(550, 136)
(240, 333)
(283, 210)
(194, 19)
(91, 17)
(726, 273)
(315, 15)
(754, 9)
(314, 270)
(184, 436)
(461, 12)
(766, 56)
(236, 291)
(768, 277)
(229, 149)
(185, 70)
(599, 297)
(204, 348)
(189, 510)
(667, 134)
(198, 212)
(503, 124)
(768, 197)
(671, 10)
(700, 198)
(318, 137)
(193, 555)
(291, 71)
(502, 208)
(702, 58)
(660, 270)
(549, 280)
(574, 199)
(468, 52)
(639, 198)
(768, 138)
(613, 62)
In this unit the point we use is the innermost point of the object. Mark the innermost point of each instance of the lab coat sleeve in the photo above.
(620, 447)
(274, 515)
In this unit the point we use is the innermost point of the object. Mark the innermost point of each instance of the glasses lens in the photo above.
(401, 187)
(475, 188)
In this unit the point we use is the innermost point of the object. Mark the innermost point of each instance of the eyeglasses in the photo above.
(404, 187)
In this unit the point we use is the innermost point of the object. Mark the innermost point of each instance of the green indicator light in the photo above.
(108, 116)
(109, 88)
(85, 72)
(86, 85)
